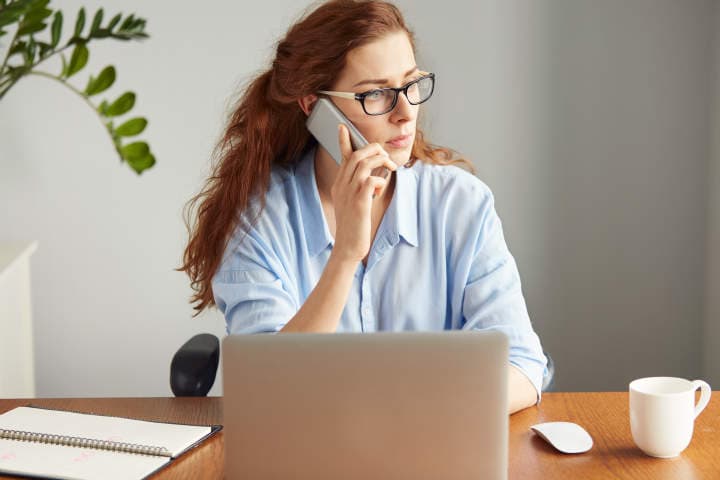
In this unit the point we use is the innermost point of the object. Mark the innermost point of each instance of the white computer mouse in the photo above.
(565, 436)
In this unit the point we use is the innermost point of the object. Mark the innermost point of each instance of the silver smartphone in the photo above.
(323, 124)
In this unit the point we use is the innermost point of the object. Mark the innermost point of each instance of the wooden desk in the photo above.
(614, 454)
(604, 415)
(204, 462)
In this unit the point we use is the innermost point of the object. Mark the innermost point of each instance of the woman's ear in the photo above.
(306, 103)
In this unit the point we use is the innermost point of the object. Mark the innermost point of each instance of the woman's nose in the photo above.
(403, 110)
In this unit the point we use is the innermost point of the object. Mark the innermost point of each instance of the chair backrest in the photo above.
(194, 366)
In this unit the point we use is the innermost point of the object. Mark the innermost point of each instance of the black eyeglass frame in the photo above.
(360, 97)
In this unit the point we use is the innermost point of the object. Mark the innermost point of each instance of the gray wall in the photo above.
(589, 120)
(712, 287)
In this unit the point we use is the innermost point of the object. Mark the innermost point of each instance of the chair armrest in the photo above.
(194, 366)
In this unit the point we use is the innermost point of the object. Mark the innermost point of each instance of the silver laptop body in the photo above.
(366, 406)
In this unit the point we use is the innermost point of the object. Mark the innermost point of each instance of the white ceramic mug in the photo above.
(663, 412)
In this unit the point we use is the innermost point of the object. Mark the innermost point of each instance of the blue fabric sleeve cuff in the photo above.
(535, 380)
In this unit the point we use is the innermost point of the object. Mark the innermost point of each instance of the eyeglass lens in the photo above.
(383, 100)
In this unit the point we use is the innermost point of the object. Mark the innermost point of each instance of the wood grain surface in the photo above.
(604, 415)
(204, 462)
(614, 455)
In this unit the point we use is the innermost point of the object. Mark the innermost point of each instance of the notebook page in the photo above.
(69, 463)
(176, 438)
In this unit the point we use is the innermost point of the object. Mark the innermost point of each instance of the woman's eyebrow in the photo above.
(383, 80)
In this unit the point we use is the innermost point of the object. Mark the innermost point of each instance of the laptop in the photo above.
(411, 405)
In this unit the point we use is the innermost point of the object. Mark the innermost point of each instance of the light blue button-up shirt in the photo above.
(438, 262)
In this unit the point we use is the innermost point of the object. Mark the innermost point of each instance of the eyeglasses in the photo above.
(383, 100)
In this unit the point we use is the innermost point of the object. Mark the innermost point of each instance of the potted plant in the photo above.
(35, 33)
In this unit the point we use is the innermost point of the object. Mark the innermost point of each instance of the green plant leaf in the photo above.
(102, 109)
(35, 14)
(135, 150)
(80, 23)
(45, 49)
(114, 21)
(12, 13)
(124, 103)
(132, 127)
(30, 51)
(56, 28)
(37, 5)
(9, 15)
(128, 22)
(141, 164)
(101, 33)
(31, 28)
(131, 28)
(130, 36)
(115, 137)
(64, 65)
(97, 20)
(78, 60)
(102, 82)
(19, 47)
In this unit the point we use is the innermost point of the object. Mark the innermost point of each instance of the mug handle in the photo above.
(704, 395)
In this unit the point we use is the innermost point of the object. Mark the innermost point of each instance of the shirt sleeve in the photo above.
(250, 291)
(493, 298)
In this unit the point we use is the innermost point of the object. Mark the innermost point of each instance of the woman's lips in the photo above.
(400, 142)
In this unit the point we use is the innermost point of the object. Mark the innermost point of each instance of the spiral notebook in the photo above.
(55, 444)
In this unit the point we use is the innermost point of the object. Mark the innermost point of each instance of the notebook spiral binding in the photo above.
(81, 442)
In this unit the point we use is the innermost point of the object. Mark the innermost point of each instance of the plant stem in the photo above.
(9, 84)
(54, 52)
(11, 81)
(7, 55)
(78, 93)
(5, 82)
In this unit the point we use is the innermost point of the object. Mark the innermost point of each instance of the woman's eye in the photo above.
(375, 95)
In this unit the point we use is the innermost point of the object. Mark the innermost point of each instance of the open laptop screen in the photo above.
(408, 405)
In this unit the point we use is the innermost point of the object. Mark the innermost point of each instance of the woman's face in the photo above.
(387, 62)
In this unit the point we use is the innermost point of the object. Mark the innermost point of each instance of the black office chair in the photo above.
(194, 366)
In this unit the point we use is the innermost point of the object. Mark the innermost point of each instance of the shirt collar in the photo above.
(401, 216)
(317, 233)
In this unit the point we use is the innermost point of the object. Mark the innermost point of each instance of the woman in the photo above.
(287, 240)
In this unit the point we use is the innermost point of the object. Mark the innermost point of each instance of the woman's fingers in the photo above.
(366, 167)
(358, 166)
(372, 186)
(352, 193)
(345, 144)
(351, 159)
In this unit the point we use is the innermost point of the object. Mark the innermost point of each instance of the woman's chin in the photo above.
(400, 157)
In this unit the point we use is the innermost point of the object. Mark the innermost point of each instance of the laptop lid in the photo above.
(411, 405)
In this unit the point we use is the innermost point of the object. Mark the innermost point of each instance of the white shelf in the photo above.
(12, 254)
(17, 363)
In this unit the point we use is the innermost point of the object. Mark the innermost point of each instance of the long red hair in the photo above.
(267, 126)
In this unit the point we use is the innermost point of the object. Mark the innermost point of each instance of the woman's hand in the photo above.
(352, 194)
